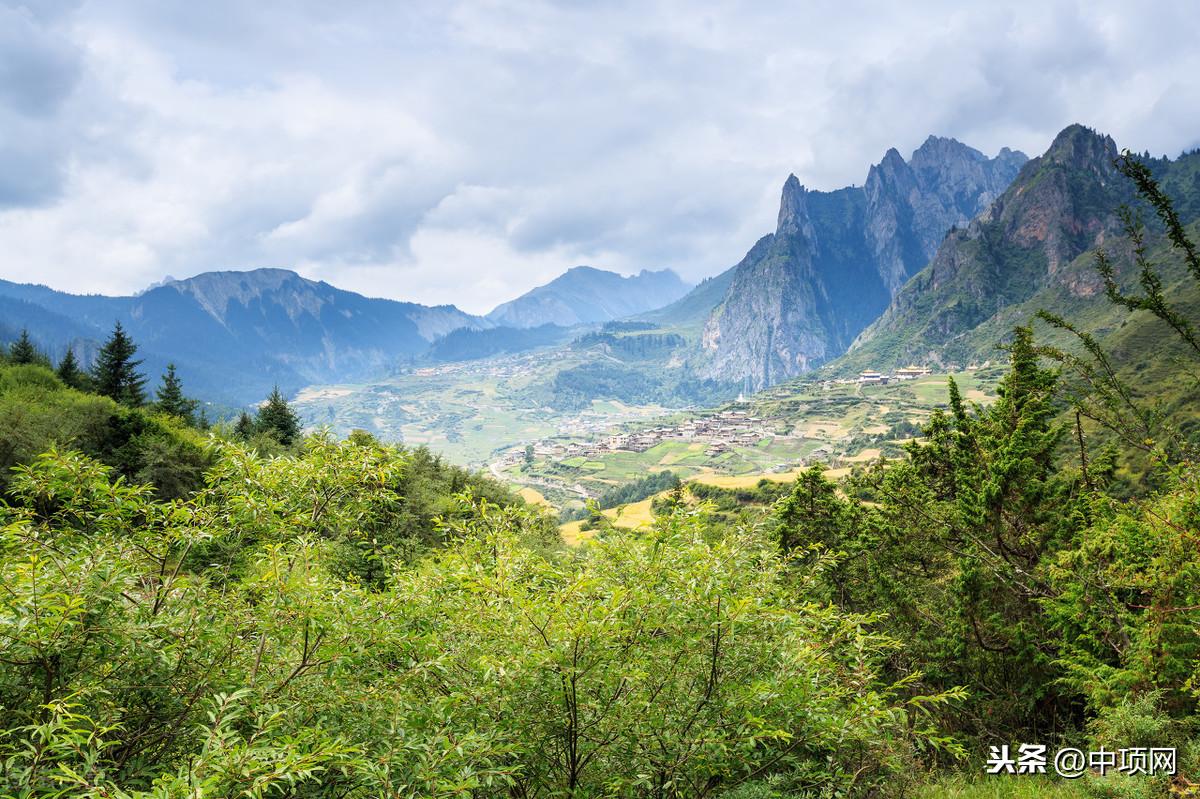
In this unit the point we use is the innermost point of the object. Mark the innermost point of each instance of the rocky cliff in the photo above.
(836, 259)
(1061, 206)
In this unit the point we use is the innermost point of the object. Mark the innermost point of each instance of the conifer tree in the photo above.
(70, 373)
(171, 398)
(244, 427)
(24, 352)
(277, 419)
(115, 373)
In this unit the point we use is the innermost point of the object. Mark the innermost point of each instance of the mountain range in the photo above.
(931, 261)
(1032, 249)
(235, 334)
(836, 259)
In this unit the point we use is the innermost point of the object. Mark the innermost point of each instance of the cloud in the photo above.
(466, 151)
(39, 70)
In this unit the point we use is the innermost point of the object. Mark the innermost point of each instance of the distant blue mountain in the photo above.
(585, 295)
(234, 335)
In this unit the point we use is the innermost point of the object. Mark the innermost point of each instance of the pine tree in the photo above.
(171, 398)
(70, 373)
(277, 419)
(244, 427)
(115, 372)
(23, 352)
(811, 513)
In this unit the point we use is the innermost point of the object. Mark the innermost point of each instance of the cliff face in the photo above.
(1061, 205)
(836, 259)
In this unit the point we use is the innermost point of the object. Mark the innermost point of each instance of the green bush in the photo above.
(135, 662)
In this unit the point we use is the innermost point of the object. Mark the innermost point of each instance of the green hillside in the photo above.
(1034, 250)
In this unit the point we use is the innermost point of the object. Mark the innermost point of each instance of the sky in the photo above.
(464, 152)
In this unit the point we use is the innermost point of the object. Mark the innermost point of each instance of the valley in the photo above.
(468, 411)
(565, 400)
(490, 414)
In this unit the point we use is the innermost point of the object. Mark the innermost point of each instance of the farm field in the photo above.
(466, 411)
(486, 413)
(799, 423)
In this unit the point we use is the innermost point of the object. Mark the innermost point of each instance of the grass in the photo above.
(573, 533)
(641, 514)
(1003, 787)
(630, 517)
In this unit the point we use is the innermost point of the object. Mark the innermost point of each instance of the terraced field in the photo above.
(801, 423)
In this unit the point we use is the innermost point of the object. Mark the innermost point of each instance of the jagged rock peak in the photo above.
(944, 148)
(1081, 146)
(792, 206)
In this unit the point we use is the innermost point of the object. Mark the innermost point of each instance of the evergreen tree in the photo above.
(24, 352)
(244, 427)
(277, 419)
(115, 373)
(70, 373)
(810, 513)
(171, 399)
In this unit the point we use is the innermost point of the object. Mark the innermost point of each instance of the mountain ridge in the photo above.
(584, 294)
(234, 334)
(801, 295)
(1061, 206)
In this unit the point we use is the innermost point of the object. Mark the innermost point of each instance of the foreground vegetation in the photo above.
(306, 617)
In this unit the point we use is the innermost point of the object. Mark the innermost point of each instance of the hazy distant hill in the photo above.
(235, 334)
(692, 309)
(583, 294)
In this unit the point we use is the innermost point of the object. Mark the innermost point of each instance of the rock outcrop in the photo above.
(836, 259)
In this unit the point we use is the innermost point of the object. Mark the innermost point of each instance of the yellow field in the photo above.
(641, 514)
(751, 480)
(634, 515)
(533, 496)
(629, 517)
(573, 534)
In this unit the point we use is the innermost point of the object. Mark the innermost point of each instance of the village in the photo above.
(721, 431)
(870, 377)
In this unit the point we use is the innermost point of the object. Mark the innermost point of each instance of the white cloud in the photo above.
(465, 152)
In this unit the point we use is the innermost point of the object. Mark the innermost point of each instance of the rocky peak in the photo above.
(938, 152)
(793, 208)
(216, 291)
(892, 163)
(839, 257)
(1059, 206)
(1082, 148)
